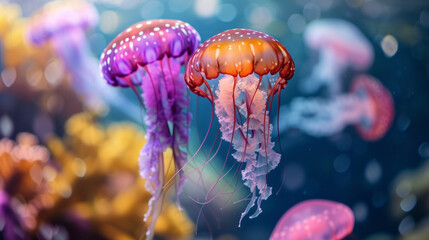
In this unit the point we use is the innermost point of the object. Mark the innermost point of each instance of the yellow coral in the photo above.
(100, 164)
(8, 14)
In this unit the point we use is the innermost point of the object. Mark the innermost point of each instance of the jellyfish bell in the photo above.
(64, 33)
(149, 54)
(238, 52)
(67, 37)
(340, 45)
(315, 219)
(241, 100)
(368, 106)
(380, 109)
(143, 44)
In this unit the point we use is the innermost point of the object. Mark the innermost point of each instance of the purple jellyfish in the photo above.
(315, 220)
(150, 54)
(340, 45)
(368, 106)
(67, 37)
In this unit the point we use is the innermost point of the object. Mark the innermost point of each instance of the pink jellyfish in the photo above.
(340, 45)
(315, 220)
(242, 100)
(67, 37)
(150, 54)
(368, 106)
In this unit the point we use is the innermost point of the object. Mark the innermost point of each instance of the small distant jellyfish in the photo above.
(241, 100)
(67, 37)
(315, 220)
(150, 54)
(368, 106)
(340, 45)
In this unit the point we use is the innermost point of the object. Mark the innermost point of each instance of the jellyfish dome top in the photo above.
(340, 45)
(241, 100)
(150, 54)
(368, 106)
(50, 23)
(376, 122)
(315, 219)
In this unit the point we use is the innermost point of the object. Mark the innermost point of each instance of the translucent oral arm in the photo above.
(321, 117)
(326, 73)
(251, 141)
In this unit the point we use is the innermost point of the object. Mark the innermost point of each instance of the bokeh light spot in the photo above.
(341, 163)
(389, 44)
(311, 11)
(407, 225)
(226, 12)
(373, 171)
(360, 211)
(295, 176)
(260, 17)
(179, 5)
(152, 10)
(109, 22)
(296, 23)
(206, 8)
(424, 150)
(6, 126)
(408, 203)
(8, 76)
(54, 73)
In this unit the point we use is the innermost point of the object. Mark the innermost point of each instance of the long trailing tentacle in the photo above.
(158, 137)
(180, 119)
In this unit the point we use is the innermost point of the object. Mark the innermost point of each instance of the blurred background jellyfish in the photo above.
(67, 38)
(315, 219)
(368, 106)
(150, 54)
(242, 100)
(340, 45)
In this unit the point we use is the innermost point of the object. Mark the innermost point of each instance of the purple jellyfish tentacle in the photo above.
(259, 157)
(151, 160)
(180, 120)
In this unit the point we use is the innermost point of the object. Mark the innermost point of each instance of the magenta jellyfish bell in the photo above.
(241, 99)
(315, 220)
(149, 54)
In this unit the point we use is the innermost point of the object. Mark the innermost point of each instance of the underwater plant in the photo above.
(242, 101)
(315, 219)
(150, 54)
(368, 106)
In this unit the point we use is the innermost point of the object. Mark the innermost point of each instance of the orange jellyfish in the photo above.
(250, 67)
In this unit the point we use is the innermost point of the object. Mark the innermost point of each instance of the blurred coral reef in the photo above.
(92, 191)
